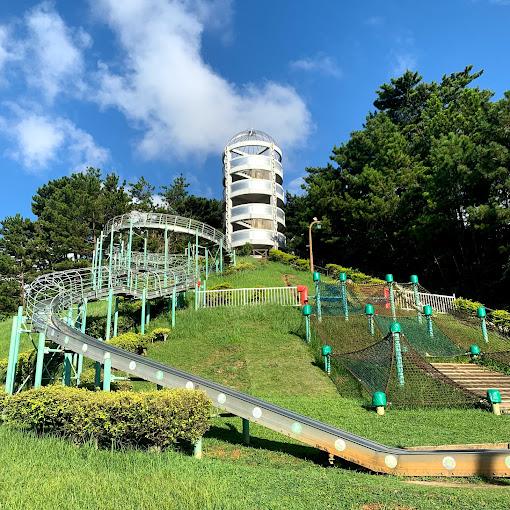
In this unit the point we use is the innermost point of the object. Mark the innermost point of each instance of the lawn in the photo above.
(258, 350)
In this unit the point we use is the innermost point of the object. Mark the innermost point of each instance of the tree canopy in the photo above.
(423, 187)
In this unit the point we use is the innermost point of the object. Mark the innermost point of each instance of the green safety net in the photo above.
(420, 385)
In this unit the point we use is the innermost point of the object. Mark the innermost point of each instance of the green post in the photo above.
(343, 294)
(109, 314)
(148, 313)
(165, 278)
(326, 351)
(116, 317)
(317, 279)
(189, 256)
(206, 263)
(39, 364)
(204, 291)
(100, 262)
(234, 255)
(196, 253)
(389, 281)
(395, 331)
(174, 299)
(68, 359)
(307, 311)
(482, 314)
(17, 321)
(129, 250)
(221, 256)
(145, 251)
(417, 301)
(197, 449)
(142, 319)
(369, 312)
(94, 256)
(110, 261)
(427, 311)
(246, 431)
(97, 375)
(107, 372)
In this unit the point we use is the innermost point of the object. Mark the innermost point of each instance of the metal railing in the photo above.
(405, 299)
(281, 296)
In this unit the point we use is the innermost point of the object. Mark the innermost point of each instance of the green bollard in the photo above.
(343, 294)
(474, 352)
(417, 302)
(482, 314)
(395, 331)
(307, 311)
(326, 351)
(317, 279)
(427, 311)
(494, 397)
(369, 312)
(389, 281)
(379, 401)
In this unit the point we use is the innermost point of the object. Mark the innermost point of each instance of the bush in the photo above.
(466, 306)
(354, 275)
(281, 256)
(87, 381)
(222, 286)
(499, 319)
(131, 342)
(245, 250)
(159, 334)
(241, 266)
(157, 419)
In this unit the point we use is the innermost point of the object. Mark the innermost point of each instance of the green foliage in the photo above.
(423, 186)
(131, 342)
(87, 381)
(221, 286)
(159, 334)
(356, 276)
(158, 419)
(466, 306)
(240, 266)
(245, 250)
(24, 367)
(499, 319)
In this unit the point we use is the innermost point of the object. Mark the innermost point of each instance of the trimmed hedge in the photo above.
(158, 419)
(333, 269)
(131, 342)
(159, 334)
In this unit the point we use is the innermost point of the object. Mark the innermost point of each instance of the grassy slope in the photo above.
(255, 350)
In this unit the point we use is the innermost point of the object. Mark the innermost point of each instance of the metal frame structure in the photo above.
(51, 304)
(254, 195)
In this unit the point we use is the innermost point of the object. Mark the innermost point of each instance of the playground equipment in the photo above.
(51, 306)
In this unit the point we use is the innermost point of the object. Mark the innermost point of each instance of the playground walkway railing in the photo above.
(283, 296)
(405, 300)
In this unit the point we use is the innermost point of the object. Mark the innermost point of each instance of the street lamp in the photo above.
(318, 223)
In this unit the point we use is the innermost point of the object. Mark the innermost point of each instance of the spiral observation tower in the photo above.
(254, 196)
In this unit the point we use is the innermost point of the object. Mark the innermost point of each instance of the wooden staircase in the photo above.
(478, 380)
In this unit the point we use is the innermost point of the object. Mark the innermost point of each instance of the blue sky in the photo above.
(157, 87)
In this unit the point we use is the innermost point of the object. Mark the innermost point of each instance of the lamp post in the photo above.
(318, 223)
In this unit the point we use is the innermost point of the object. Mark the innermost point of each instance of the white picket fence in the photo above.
(404, 299)
(282, 296)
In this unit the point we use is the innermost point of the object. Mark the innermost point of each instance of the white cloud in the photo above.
(318, 64)
(294, 186)
(403, 62)
(40, 140)
(179, 102)
(54, 60)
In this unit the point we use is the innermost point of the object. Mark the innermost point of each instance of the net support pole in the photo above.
(39, 364)
(395, 333)
(482, 314)
(427, 311)
(307, 328)
(318, 301)
(369, 312)
(343, 295)
(417, 303)
(391, 292)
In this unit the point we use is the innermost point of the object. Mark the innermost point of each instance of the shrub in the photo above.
(131, 342)
(87, 381)
(501, 319)
(354, 275)
(159, 334)
(241, 266)
(466, 306)
(245, 250)
(120, 419)
(222, 286)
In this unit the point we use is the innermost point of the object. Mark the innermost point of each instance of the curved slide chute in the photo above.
(51, 295)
